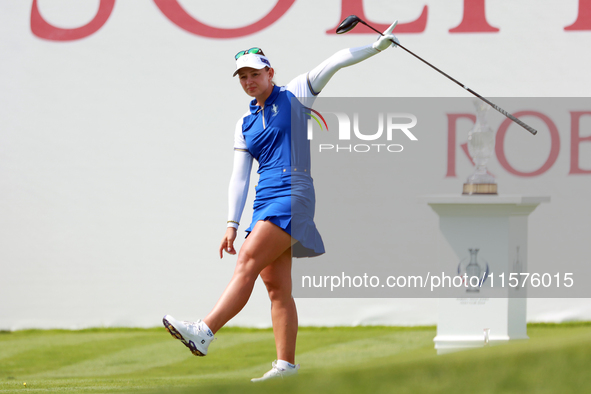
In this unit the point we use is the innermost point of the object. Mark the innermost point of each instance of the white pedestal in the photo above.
(497, 226)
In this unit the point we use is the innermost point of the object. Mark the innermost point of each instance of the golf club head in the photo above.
(348, 24)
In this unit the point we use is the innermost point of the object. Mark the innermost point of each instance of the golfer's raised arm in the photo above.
(322, 73)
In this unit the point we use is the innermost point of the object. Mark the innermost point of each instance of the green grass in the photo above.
(556, 359)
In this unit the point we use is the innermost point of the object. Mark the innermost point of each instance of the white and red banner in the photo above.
(116, 135)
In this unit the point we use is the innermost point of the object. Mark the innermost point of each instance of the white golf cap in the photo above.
(253, 61)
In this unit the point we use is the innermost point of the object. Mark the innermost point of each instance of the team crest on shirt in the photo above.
(275, 109)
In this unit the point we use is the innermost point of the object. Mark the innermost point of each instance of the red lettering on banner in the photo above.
(474, 20)
(466, 150)
(177, 15)
(42, 29)
(452, 120)
(554, 145)
(355, 7)
(583, 21)
(575, 140)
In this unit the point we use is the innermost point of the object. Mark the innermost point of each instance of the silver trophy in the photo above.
(475, 273)
(481, 145)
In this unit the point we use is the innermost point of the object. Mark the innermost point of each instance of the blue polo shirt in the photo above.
(276, 134)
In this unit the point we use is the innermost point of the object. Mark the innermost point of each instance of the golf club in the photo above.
(352, 20)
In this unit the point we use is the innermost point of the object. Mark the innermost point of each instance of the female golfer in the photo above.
(282, 223)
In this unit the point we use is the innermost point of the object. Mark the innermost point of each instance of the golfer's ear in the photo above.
(391, 28)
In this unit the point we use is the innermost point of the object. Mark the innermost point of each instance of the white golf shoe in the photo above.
(191, 334)
(277, 373)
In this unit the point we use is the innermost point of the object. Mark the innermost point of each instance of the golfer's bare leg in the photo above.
(277, 279)
(264, 245)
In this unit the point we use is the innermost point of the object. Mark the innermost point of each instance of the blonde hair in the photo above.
(273, 80)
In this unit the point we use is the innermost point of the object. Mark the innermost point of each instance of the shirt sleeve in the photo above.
(238, 189)
(299, 86)
(239, 142)
(321, 74)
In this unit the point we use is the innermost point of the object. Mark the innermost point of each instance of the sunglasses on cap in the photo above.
(254, 51)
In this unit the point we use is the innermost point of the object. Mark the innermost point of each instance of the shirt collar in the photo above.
(254, 108)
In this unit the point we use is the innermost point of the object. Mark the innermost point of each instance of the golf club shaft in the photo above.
(501, 110)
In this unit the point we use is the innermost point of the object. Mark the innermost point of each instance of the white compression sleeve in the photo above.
(322, 73)
(238, 189)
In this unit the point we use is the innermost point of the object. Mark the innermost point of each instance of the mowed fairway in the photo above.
(556, 359)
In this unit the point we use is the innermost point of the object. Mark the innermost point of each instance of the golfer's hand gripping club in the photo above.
(387, 39)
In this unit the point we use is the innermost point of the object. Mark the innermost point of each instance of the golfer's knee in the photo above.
(278, 292)
(246, 265)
